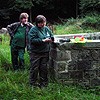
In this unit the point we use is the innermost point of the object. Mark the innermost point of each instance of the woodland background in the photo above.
(53, 10)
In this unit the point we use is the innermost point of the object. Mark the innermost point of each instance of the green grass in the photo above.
(15, 85)
(74, 26)
(73, 29)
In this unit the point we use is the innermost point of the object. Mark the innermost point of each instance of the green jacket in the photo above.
(36, 35)
(12, 28)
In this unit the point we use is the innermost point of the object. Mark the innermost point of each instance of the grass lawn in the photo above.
(15, 85)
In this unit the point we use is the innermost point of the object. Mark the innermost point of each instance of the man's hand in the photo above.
(47, 40)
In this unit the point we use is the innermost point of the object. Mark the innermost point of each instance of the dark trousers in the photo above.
(39, 68)
(17, 57)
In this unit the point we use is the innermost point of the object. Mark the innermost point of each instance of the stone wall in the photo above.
(76, 63)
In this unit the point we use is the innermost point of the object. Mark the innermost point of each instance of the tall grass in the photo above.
(5, 56)
(15, 85)
(87, 24)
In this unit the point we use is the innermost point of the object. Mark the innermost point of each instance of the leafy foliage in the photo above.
(5, 7)
(88, 6)
(92, 21)
(79, 25)
(23, 4)
(43, 3)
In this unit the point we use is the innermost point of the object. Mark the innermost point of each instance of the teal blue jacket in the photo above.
(36, 35)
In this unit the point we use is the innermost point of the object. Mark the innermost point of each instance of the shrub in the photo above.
(87, 6)
(92, 20)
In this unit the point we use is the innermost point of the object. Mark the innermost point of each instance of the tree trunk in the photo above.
(30, 15)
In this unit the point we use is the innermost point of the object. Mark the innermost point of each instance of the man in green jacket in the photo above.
(18, 32)
(40, 37)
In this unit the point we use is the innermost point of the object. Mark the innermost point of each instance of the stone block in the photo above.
(95, 65)
(95, 54)
(81, 54)
(95, 82)
(83, 64)
(62, 66)
(66, 81)
(63, 75)
(89, 74)
(3, 30)
(63, 55)
(76, 74)
(74, 54)
(72, 65)
(84, 83)
(98, 73)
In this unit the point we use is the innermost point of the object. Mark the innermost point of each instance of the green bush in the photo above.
(89, 23)
(87, 6)
(92, 21)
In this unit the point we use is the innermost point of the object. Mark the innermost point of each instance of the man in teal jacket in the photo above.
(19, 32)
(40, 37)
